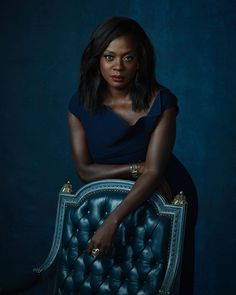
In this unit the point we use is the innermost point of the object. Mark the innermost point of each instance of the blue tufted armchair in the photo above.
(145, 258)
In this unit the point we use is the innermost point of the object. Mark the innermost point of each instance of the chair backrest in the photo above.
(145, 258)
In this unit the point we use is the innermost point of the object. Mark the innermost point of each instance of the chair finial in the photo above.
(67, 188)
(179, 199)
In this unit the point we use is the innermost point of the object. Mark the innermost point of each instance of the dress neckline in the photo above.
(140, 118)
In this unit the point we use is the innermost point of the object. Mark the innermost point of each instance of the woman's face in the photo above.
(119, 62)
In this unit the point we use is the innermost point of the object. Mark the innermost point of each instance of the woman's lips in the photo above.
(117, 78)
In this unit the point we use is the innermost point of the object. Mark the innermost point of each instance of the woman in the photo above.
(122, 122)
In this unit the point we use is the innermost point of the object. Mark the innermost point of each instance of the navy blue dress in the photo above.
(111, 140)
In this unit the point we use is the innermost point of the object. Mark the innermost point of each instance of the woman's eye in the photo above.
(128, 58)
(109, 57)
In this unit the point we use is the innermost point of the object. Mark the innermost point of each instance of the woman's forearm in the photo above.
(143, 188)
(93, 171)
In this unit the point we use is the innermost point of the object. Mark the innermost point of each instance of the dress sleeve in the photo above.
(168, 100)
(75, 106)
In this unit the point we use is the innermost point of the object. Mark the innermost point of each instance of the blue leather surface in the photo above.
(147, 250)
(137, 261)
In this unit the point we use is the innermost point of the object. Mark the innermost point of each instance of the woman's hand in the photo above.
(103, 237)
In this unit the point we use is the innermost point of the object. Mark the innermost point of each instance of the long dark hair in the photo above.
(92, 84)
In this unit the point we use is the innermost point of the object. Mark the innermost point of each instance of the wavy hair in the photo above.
(92, 84)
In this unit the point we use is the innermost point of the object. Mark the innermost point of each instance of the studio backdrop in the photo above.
(41, 46)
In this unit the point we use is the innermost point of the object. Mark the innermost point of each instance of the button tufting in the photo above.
(132, 257)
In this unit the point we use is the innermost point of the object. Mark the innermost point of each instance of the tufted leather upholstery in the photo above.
(146, 253)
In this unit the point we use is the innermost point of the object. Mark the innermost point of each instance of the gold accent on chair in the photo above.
(179, 199)
(67, 188)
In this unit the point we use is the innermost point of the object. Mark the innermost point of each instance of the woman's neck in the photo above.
(116, 95)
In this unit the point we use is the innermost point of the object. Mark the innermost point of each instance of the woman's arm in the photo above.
(86, 169)
(158, 154)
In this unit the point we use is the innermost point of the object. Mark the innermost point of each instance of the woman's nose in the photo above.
(119, 65)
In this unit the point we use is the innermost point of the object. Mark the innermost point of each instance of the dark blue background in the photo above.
(41, 45)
